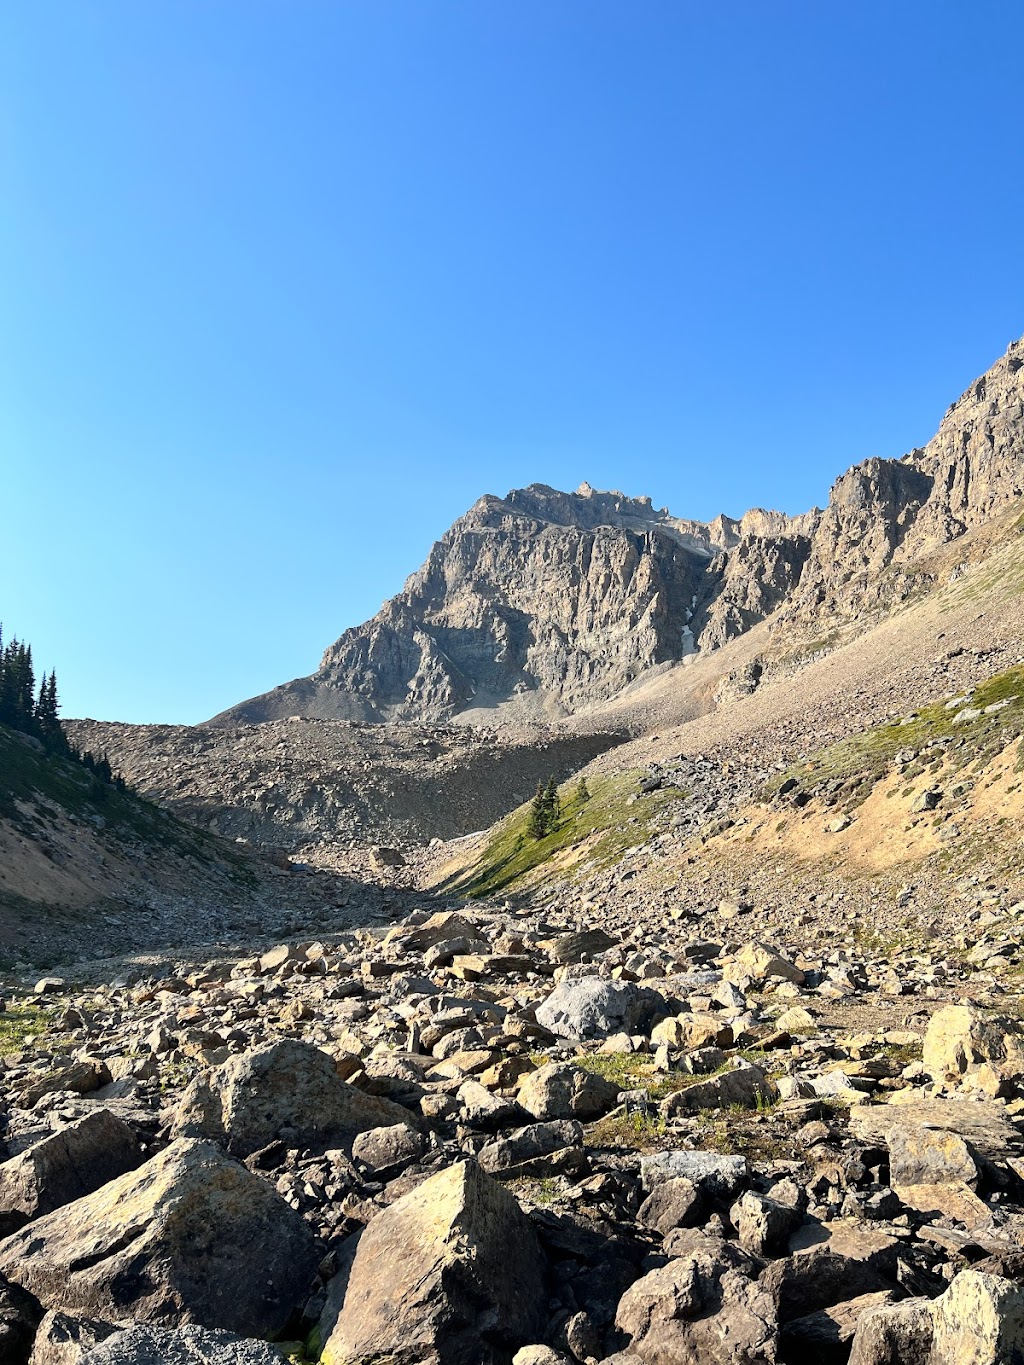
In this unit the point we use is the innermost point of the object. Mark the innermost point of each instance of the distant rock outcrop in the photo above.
(555, 600)
(548, 603)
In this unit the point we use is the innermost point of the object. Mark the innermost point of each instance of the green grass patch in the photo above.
(18, 1023)
(608, 817)
(635, 1071)
(637, 1132)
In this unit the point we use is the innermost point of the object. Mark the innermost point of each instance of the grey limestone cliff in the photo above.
(544, 603)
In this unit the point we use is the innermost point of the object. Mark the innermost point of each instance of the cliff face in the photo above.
(886, 516)
(556, 601)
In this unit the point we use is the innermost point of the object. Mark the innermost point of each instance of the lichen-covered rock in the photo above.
(979, 1320)
(895, 1334)
(64, 1166)
(182, 1346)
(189, 1237)
(286, 1090)
(451, 1272)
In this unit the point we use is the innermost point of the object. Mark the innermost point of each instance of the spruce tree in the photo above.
(582, 791)
(536, 821)
(551, 807)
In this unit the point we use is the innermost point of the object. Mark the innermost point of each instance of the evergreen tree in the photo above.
(536, 823)
(47, 716)
(551, 806)
(582, 791)
(17, 687)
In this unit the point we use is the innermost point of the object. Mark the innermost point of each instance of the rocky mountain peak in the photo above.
(541, 603)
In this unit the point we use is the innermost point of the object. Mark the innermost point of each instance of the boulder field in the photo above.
(482, 1137)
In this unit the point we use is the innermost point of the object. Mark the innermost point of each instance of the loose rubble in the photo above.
(488, 1134)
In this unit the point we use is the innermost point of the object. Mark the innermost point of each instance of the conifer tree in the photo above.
(536, 822)
(552, 809)
(582, 791)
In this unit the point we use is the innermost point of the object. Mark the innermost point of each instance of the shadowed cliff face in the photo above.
(545, 603)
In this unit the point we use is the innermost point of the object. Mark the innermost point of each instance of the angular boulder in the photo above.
(761, 962)
(64, 1340)
(564, 1091)
(960, 1037)
(65, 1166)
(898, 1334)
(287, 1090)
(543, 1147)
(591, 1007)
(819, 1279)
(189, 1237)
(745, 1084)
(704, 1308)
(928, 1156)
(452, 1272)
(673, 1204)
(762, 1225)
(181, 1346)
(382, 1150)
(979, 1320)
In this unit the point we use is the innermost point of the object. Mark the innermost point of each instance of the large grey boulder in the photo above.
(451, 1272)
(189, 1237)
(144, 1345)
(561, 1090)
(591, 1007)
(287, 1090)
(716, 1175)
(64, 1166)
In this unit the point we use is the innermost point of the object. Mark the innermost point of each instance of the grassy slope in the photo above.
(602, 828)
(594, 834)
(932, 734)
(38, 789)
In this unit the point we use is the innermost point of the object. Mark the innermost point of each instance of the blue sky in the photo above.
(287, 284)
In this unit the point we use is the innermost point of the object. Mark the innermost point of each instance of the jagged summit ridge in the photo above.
(546, 602)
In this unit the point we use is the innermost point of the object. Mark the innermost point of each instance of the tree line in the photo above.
(35, 711)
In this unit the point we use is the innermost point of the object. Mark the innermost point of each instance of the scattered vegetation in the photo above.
(36, 713)
(19, 1023)
(933, 736)
(37, 787)
(545, 810)
(610, 815)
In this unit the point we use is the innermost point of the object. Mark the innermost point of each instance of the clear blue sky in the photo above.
(287, 285)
